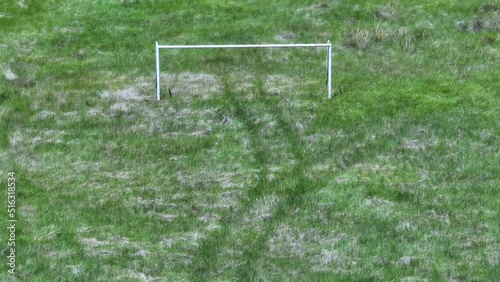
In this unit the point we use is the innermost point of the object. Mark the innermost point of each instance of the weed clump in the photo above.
(487, 18)
(18, 80)
(287, 35)
(364, 39)
(320, 6)
(478, 25)
(486, 8)
(358, 39)
(22, 82)
(386, 12)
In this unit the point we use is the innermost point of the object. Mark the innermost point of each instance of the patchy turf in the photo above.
(245, 170)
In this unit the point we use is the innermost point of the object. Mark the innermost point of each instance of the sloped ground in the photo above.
(248, 172)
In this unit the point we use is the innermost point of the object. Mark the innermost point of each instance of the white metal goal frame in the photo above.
(327, 45)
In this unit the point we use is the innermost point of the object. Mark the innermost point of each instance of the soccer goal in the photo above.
(325, 45)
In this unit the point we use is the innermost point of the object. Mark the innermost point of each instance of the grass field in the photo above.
(248, 172)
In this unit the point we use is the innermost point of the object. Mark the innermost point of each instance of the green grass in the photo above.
(249, 172)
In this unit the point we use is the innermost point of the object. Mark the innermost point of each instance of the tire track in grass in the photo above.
(293, 199)
(206, 260)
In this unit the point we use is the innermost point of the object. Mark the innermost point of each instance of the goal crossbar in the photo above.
(327, 45)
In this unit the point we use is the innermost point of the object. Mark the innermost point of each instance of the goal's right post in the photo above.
(329, 70)
(157, 72)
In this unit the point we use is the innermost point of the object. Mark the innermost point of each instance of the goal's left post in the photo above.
(157, 71)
